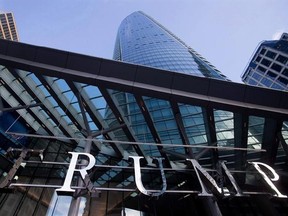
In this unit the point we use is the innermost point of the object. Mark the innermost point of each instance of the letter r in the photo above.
(72, 168)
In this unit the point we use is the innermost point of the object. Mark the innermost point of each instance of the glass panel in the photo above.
(255, 132)
(133, 114)
(224, 126)
(192, 117)
(164, 122)
(270, 54)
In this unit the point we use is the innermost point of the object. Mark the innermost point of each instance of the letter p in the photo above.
(267, 179)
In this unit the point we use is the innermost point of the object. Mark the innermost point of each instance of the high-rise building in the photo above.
(180, 110)
(142, 40)
(268, 66)
(8, 29)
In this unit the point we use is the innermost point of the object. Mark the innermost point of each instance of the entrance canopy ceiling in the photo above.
(127, 109)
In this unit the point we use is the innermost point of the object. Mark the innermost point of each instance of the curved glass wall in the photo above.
(142, 40)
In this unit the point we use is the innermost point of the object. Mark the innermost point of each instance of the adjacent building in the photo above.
(268, 66)
(158, 98)
(8, 29)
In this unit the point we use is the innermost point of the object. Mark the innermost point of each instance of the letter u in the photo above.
(138, 179)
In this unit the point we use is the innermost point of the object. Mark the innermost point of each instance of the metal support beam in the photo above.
(95, 116)
(181, 128)
(149, 122)
(121, 119)
(204, 151)
(53, 114)
(209, 121)
(104, 131)
(75, 203)
(83, 112)
(33, 114)
(241, 123)
(270, 141)
(11, 109)
(134, 78)
(175, 154)
(63, 103)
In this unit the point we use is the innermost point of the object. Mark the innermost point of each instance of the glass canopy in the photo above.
(61, 105)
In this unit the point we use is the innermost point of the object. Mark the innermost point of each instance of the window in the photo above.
(258, 59)
(271, 74)
(266, 82)
(276, 86)
(266, 62)
(270, 54)
(285, 72)
(256, 76)
(263, 51)
(282, 59)
(261, 69)
(283, 80)
(276, 67)
(252, 82)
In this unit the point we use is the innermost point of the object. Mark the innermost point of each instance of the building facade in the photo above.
(8, 28)
(142, 40)
(268, 66)
(63, 112)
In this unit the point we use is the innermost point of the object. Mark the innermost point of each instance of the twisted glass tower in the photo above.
(142, 40)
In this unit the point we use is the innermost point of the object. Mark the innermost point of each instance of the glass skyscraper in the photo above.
(8, 29)
(142, 40)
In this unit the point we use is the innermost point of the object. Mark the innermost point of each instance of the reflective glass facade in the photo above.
(269, 65)
(8, 29)
(142, 40)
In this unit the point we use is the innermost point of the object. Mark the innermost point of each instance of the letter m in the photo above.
(199, 170)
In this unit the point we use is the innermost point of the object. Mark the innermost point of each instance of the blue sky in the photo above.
(225, 32)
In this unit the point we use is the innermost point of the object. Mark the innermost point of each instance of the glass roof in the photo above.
(120, 123)
(150, 120)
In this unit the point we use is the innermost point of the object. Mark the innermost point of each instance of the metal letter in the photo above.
(83, 171)
(267, 179)
(232, 180)
(204, 192)
(138, 180)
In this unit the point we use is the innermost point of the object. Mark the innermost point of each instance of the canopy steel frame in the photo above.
(152, 82)
(63, 126)
(20, 101)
